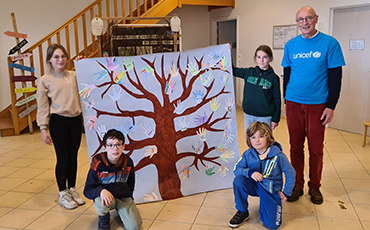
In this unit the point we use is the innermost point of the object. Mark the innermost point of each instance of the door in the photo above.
(351, 25)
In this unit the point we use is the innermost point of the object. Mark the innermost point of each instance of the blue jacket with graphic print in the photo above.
(118, 179)
(271, 168)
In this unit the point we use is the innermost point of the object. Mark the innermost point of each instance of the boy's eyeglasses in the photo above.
(308, 19)
(114, 146)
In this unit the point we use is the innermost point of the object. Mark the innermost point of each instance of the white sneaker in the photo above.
(66, 200)
(76, 196)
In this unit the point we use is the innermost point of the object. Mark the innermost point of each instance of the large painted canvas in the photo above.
(176, 111)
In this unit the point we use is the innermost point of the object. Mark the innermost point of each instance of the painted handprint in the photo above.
(199, 120)
(172, 70)
(214, 55)
(111, 61)
(221, 148)
(228, 137)
(179, 108)
(229, 126)
(223, 63)
(227, 155)
(184, 172)
(182, 123)
(121, 129)
(193, 68)
(214, 104)
(202, 134)
(152, 197)
(198, 96)
(91, 123)
(223, 170)
(229, 104)
(198, 147)
(100, 75)
(86, 104)
(225, 80)
(148, 131)
(102, 130)
(117, 94)
(130, 126)
(209, 170)
(170, 87)
(128, 63)
(119, 77)
(206, 80)
(147, 70)
(152, 149)
(85, 92)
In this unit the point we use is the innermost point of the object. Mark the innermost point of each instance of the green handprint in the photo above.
(193, 68)
(128, 63)
(227, 155)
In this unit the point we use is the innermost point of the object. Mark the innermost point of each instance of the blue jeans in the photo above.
(126, 209)
(249, 119)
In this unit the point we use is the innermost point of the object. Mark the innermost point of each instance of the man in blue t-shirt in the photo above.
(312, 81)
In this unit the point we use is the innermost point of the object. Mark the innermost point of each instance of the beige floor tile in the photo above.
(84, 222)
(151, 210)
(43, 164)
(5, 171)
(363, 211)
(331, 182)
(42, 202)
(357, 173)
(8, 184)
(53, 220)
(165, 225)
(195, 200)
(302, 207)
(329, 172)
(301, 222)
(366, 164)
(4, 211)
(38, 154)
(363, 156)
(14, 199)
(48, 174)
(220, 199)
(80, 209)
(6, 160)
(19, 218)
(26, 173)
(117, 224)
(342, 156)
(215, 216)
(16, 153)
(178, 213)
(357, 184)
(335, 194)
(366, 225)
(34, 186)
(334, 210)
(347, 164)
(338, 224)
(359, 196)
(20, 162)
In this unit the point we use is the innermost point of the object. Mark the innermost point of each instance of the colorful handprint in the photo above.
(128, 63)
(100, 75)
(228, 154)
(198, 147)
(117, 94)
(170, 87)
(130, 126)
(102, 130)
(214, 55)
(182, 123)
(225, 80)
(229, 104)
(147, 70)
(152, 197)
(228, 137)
(199, 120)
(193, 68)
(206, 80)
(209, 170)
(223, 170)
(179, 108)
(119, 77)
(85, 92)
(152, 149)
(111, 61)
(86, 104)
(148, 131)
(223, 63)
(198, 96)
(202, 134)
(172, 70)
(184, 172)
(221, 147)
(214, 104)
(91, 123)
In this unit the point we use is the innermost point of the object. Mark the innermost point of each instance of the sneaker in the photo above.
(297, 192)
(66, 200)
(104, 222)
(238, 219)
(316, 196)
(76, 196)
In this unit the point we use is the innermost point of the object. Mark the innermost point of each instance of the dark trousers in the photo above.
(270, 203)
(304, 121)
(66, 135)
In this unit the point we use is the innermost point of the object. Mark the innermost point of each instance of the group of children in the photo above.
(111, 179)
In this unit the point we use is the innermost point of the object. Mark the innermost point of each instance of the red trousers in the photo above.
(304, 121)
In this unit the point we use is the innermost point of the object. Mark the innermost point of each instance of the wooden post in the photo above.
(24, 85)
(175, 35)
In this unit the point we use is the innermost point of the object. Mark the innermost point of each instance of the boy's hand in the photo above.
(283, 198)
(257, 176)
(106, 197)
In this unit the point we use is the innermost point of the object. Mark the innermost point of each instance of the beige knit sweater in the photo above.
(59, 95)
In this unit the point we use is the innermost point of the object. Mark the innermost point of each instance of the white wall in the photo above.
(36, 18)
(257, 18)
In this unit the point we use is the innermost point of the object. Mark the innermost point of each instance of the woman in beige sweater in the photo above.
(59, 108)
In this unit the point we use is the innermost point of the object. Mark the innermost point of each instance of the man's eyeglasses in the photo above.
(308, 19)
(114, 146)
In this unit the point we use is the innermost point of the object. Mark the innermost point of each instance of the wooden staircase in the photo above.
(76, 37)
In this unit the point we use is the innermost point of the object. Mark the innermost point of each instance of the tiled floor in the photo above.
(28, 192)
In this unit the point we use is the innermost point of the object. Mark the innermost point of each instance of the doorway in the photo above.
(351, 26)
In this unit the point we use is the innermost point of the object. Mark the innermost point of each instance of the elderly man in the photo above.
(312, 81)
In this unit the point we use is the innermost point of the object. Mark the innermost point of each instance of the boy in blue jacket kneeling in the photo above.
(111, 181)
(259, 172)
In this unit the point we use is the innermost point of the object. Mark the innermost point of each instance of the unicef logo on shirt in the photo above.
(316, 54)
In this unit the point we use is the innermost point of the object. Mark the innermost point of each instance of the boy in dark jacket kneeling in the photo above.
(111, 181)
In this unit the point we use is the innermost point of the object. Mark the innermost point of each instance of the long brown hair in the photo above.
(267, 50)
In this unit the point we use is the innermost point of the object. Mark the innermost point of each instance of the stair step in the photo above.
(6, 123)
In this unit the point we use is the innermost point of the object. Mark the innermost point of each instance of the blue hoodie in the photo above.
(271, 168)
